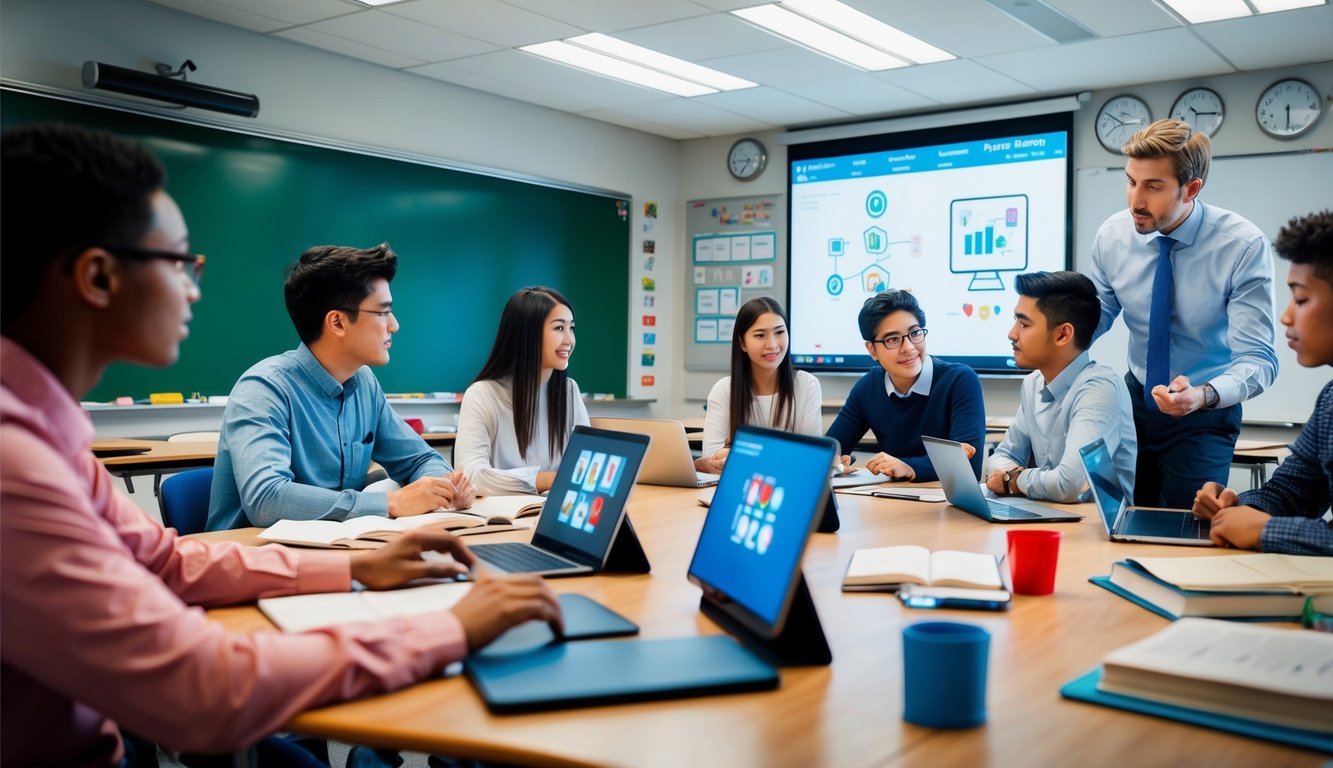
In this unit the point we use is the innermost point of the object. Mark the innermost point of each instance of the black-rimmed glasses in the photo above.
(895, 340)
(382, 313)
(192, 264)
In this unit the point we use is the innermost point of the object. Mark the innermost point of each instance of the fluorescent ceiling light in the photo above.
(868, 29)
(660, 62)
(819, 38)
(378, 2)
(609, 66)
(1199, 11)
(1272, 6)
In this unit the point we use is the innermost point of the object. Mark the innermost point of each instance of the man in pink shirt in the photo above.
(103, 609)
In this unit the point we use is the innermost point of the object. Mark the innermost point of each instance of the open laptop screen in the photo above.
(765, 507)
(586, 502)
(1106, 490)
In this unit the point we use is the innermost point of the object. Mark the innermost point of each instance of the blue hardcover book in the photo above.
(1132, 582)
(1085, 689)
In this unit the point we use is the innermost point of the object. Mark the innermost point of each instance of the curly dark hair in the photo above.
(1309, 240)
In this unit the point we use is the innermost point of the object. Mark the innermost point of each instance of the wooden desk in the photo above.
(161, 456)
(1258, 455)
(849, 713)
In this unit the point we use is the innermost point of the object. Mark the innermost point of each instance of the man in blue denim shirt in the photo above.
(301, 428)
(1289, 513)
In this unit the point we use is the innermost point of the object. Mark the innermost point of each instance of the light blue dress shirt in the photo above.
(1085, 401)
(296, 444)
(1222, 326)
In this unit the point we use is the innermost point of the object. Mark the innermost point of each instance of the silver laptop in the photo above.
(1126, 523)
(583, 527)
(669, 461)
(962, 490)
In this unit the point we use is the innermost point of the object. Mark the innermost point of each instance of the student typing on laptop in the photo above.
(909, 394)
(1288, 513)
(763, 388)
(517, 415)
(1067, 400)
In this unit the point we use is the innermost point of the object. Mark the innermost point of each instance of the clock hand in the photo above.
(1288, 115)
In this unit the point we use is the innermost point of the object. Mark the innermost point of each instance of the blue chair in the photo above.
(184, 500)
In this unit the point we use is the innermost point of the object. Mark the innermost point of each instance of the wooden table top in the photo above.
(845, 714)
(162, 452)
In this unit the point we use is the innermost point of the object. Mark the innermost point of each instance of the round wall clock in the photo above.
(1201, 108)
(1119, 118)
(746, 159)
(1289, 108)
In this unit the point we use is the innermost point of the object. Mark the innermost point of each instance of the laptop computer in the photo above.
(1125, 523)
(963, 491)
(583, 527)
(669, 461)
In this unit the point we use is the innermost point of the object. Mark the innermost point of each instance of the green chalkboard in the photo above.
(465, 242)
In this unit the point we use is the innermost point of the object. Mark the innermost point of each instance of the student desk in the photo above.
(159, 457)
(1257, 455)
(849, 713)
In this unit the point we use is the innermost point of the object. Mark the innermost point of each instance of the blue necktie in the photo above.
(1159, 323)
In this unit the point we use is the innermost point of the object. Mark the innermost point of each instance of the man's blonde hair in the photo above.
(1188, 150)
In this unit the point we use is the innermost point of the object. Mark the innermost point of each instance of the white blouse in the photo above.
(805, 404)
(487, 447)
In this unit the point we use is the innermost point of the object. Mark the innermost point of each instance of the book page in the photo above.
(506, 509)
(889, 565)
(1239, 572)
(456, 519)
(320, 533)
(409, 602)
(964, 569)
(302, 613)
(1264, 658)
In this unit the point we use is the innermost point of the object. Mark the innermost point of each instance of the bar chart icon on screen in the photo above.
(987, 236)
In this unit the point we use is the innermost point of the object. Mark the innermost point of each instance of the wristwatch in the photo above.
(1210, 397)
(1011, 479)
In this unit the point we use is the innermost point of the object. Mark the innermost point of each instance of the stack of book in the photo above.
(1260, 586)
(1265, 682)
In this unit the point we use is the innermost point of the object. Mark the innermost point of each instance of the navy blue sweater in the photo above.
(954, 410)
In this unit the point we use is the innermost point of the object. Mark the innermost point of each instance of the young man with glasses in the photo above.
(909, 395)
(102, 624)
(1067, 401)
(301, 428)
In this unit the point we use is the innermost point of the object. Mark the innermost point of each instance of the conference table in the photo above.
(846, 714)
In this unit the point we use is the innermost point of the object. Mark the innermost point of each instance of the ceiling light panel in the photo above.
(608, 66)
(819, 38)
(1272, 6)
(660, 61)
(868, 29)
(1199, 11)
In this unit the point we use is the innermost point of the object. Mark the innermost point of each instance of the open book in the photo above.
(488, 514)
(1307, 574)
(885, 569)
(1278, 676)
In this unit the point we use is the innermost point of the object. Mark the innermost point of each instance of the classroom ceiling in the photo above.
(474, 43)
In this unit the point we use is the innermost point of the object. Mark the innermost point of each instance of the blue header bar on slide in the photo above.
(967, 154)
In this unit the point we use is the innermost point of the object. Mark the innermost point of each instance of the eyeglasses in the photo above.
(382, 314)
(195, 261)
(894, 340)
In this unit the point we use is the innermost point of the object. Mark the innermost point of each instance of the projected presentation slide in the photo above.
(953, 223)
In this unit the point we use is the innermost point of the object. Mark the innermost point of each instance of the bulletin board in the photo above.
(736, 251)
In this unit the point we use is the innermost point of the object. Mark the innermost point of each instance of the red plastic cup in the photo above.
(1032, 558)
(417, 425)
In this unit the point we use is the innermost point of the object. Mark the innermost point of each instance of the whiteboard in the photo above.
(1268, 190)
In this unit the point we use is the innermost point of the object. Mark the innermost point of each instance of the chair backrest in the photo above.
(195, 437)
(184, 500)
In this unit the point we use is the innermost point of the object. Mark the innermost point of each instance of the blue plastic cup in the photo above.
(944, 674)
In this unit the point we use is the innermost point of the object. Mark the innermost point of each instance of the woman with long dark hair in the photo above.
(519, 412)
(763, 388)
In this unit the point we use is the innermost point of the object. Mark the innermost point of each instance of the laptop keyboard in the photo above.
(1000, 509)
(518, 558)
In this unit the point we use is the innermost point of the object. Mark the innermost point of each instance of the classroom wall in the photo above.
(703, 174)
(307, 92)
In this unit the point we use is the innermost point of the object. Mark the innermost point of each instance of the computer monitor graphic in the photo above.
(987, 236)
